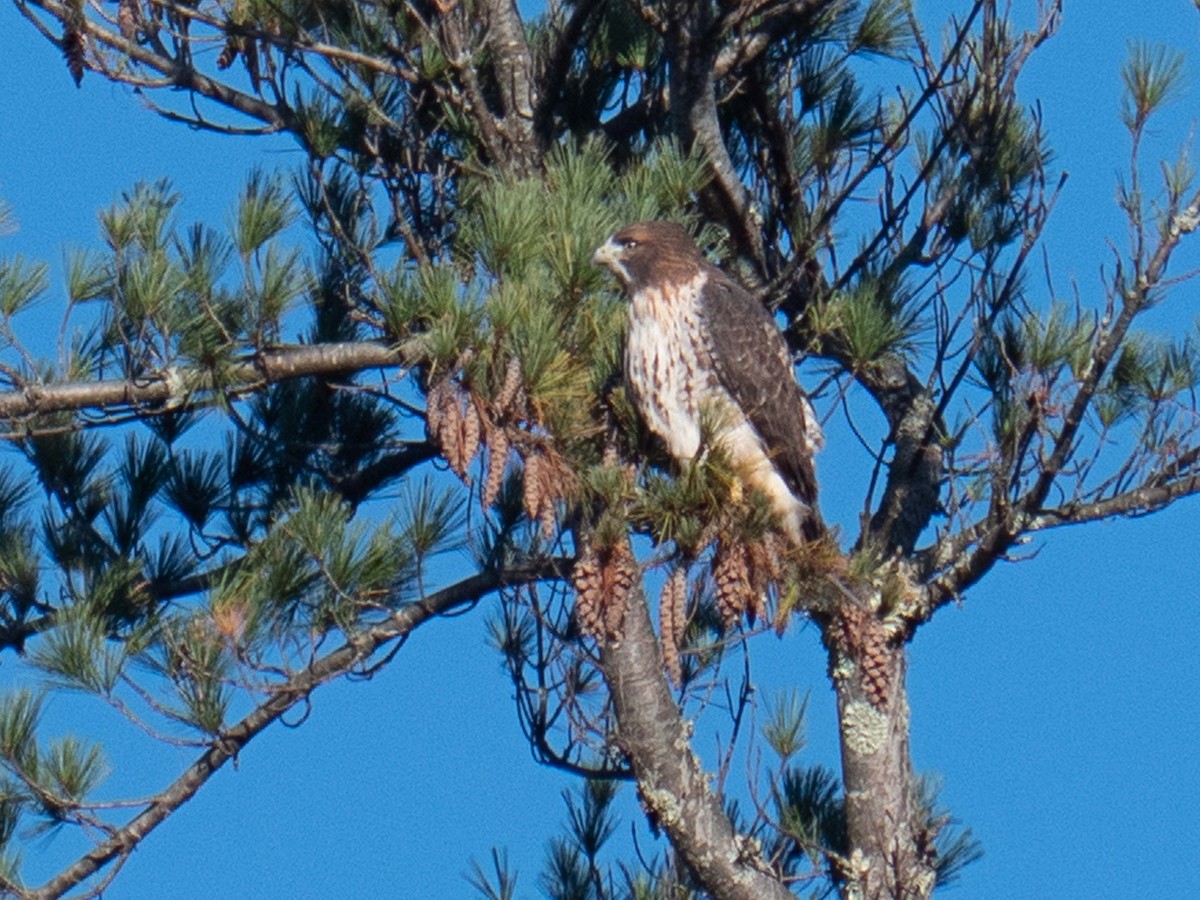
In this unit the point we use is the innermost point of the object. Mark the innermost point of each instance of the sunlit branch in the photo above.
(179, 388)
(1138, 501)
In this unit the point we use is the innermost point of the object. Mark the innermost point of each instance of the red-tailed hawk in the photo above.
(700, 344)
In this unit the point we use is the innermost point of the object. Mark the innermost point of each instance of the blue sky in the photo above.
(1058, 704)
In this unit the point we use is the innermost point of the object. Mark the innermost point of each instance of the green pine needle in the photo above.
(810, 809)
(263, 211)
(784, 728)
(884, 29)
(77, 653)
(142, 219)
(589, 818)
(1153, 76)
(505, 885)
(74, 768)
(89, 277)
(20, 714)
(21, 284)
(432, 520)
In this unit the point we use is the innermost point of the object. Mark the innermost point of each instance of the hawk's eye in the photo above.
(629, 243)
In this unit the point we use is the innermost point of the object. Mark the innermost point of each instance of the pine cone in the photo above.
(588, 581)
(863, 639)
(229, 52)
(72, 51)
(532, 488)
(470, 426)
(672, 614)
(875, 658)
(551, 474)
(621, 575)
(449, 419)
(507, 394)
(731, 574)
(498, 445)
(603, 580)
(434, 415)
(128, 16)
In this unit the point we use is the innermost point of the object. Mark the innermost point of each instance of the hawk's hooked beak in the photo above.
(608, 255)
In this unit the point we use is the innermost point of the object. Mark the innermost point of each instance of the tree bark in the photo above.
(174, 386)
(889, 839)
(693, 92)
(674, 789)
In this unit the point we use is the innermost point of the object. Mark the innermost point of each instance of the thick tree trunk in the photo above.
(889, 841)
(673, 786)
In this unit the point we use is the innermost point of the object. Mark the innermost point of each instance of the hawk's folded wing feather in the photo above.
(753, 364)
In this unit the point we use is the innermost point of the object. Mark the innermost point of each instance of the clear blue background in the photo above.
(1060, 704)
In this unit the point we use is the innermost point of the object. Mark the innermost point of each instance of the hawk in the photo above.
(699, 345)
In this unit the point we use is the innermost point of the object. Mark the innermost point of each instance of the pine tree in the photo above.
(211, 522)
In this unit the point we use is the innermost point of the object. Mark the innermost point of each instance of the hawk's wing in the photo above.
(754, 366)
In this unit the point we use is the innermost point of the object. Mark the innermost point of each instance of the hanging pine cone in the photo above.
(544, 484)
(470, 428)
(672, 614)
(72, 51)
(451, 428)
(506, 397)
(533, 484)
(229, 53)
(731, 575)
(864, 640)
(498, 446)
(604, 579)
(435, 403)
(454, 428)
(552, 475)
(588, 581)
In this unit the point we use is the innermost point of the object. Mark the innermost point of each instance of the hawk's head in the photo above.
(648, 253)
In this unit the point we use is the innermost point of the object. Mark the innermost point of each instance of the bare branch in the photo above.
(1139, 501)
(178, 72)
(749, 44)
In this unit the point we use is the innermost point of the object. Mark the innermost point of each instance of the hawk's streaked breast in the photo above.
(667, 366)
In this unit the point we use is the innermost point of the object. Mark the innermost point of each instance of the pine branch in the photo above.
(672, 785)
(692, 48)
(351, 655)
(514, 78)
(1006, 522)
(359, 485)
(1139, 501)
(969, 554)
(173, 387)
(452, 37)
(749, 44)
(277, 117)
